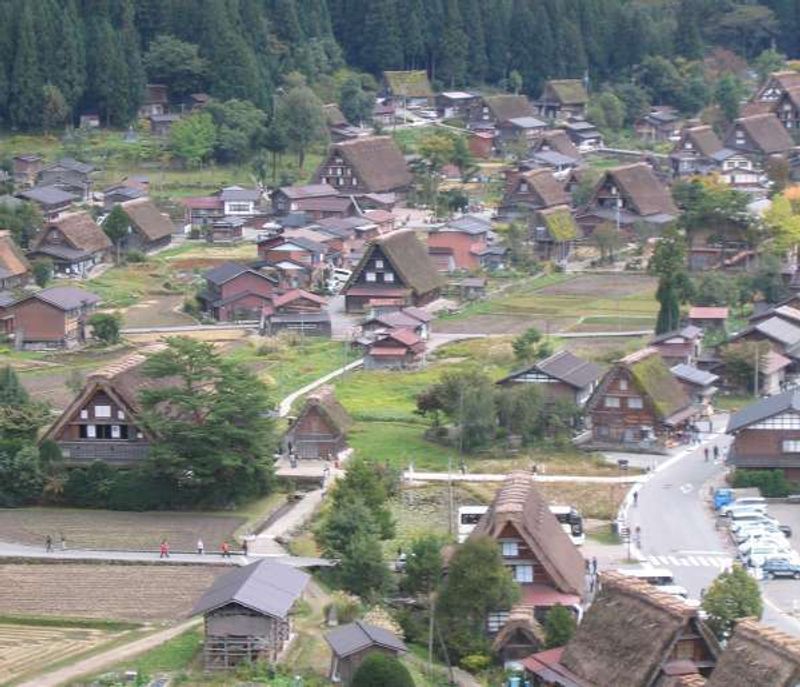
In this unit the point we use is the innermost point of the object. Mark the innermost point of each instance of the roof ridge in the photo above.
(771, 637)
(646, 592)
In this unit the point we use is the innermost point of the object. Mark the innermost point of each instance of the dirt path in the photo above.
(98, 663)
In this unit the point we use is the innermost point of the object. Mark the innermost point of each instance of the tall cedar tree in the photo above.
(26, 77)
(214, 434)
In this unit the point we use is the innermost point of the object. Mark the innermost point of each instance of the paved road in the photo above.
(415, 476)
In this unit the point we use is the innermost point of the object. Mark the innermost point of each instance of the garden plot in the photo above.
(28, 649)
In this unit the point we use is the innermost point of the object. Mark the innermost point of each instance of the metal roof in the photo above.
(67, 297)
(346, 640)
(47, 195)
(265, 586)
(691, 374)
(565, 367)
(763, 409)
(469, 224)
(779, 330)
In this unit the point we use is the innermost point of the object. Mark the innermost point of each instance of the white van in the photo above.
(743, 501)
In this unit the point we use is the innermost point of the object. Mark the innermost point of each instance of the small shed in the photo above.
(247, 613)
(352, 643)
(708, 317)
(321, 428)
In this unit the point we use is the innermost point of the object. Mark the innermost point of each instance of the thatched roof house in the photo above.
(412, 84)
(150, 229)
(73, 242)
(761, 134)
(633, 635)
(320, 429)
(758, 655)
(14, 266)
(373, 164)
(502, 108)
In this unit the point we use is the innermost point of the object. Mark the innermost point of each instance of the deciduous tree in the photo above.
(733, 595)
(192, 139)
(302, 119)
(559, 626)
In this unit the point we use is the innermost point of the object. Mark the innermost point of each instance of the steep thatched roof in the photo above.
(324, 399)
(703, 140)
(628, 633)
(546, 186)
(334, 115)
(377, 161)
(147, 220)
(519, 503)
(758, 655)
(409, 258)
(520, 622)
(654, 380)
(505, 107)
(410, 84)
(80, 231)
(642, 189)
(13, 262)
(765, 131)
(566, 91)
(559, 141)
(560, 223)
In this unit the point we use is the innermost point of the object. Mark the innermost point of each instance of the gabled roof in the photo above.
(546, 186)
(505, 107)
(519, 503)
(80, 231)
(642, 189)
(700, 312)
(377, 162)
(758, 655)
(628, 633)
(223, 273)
(417, 313)
(406, 337)
(693, 375)
(559, 222)
(265, 587)
(47, 195)
(468, 224)
(333, 115)
(346, 640)
(788, 401)
(146, 219)
(411, 84)
(564, 366)
(559, 141)
(703, 139)
(308, 191)
(202, 203)
(234, 193)
(324, 400)
(296, 294)
(690, 332)
(526, 123)
(64, 298)
(71, 164)
(766, 132)
(13, 262)
(566, 91)
(408, 256)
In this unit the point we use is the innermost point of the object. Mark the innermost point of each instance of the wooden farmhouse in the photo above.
(699, 385)
(69, 175)
(53, 318)
(527, 192)
(49, 199)
(236, 292)
(500, 109)
(563, 98)
(394, 269)
(25, 169)
(633, 635)
(15, 270)
(772, 90)
(247, 614)
(74, 243)
(759, 136)
(407, 88)
(415, 319)
(103, 421)
(680, 346)
(457, 244)
(373, 164)
(562, 375)
(542, 560)
(149, 229)
(287, 199)
(699, 150)
(350, 644)
(397, 349)
(638, 403)
(554, 233)
(320, 430)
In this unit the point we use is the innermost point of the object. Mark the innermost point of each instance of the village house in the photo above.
(778, 329)
(69, 175)
(773, 89)
(638, 403)
(155, 101)
(499, 109)
(50, 200)
(560, 376)
(759, 136)
(286, 198)
(700, 151)
(365, 165)
(527, 192)
(456, 104)
(520, 130)
(338, 126)
(226, 230)
(481, 144)
(562, 98)
(161, 124)
(203, 211)
(7, 299)
(699, 385)
(234, 292)
(300, 249)
(627, 195)
(788, 110)
(554, 232)
(320, 429)
(103, 421)
(397, 349)
(149, 229)
(304, 323)
(74, 243)
(350, 644)
(336, 207)
(541, 557)
(633, 635)
(383, 219)
(15, 270)
(394, 268)
(25, 168)
(120, 193)
(708, 318)
(247, 614)
(408, 89)
(757, 655)
(415, 319)
(240, 202)
(53, 318)
(766, 435)
(457, 244)
(555, 142)
(660, 124)
(680, 346)
(470, 288)
(383, 113)
(585, 135)
(290, 274)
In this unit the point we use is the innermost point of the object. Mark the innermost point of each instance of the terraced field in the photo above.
(27, 648)
(143, 593)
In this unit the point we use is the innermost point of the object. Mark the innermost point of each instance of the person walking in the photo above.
(63, 542)
(594, 566)
(638, 536)
(226, 550)
(705, 451)
(635, 499)
(163, 549)
(244, 547)
(716, 452)
(200, 547)
(48, 544)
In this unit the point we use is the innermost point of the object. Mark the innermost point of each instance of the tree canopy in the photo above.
(732, 596)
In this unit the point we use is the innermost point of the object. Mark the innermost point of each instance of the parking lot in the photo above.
(785, 593)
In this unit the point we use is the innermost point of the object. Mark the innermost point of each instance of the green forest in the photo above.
(60, 58)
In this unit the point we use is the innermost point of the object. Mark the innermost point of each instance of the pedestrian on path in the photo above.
(163, 549)
(226, 550)
(48, 544)
(705, 450)
(638, 536)
(244, 547)
(200, 547)
(594, 566)
(63, 542)
(716, 452)
(635, 499)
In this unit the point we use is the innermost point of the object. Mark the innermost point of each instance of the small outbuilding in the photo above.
(321, 428)
(352, 643)
(247, 614)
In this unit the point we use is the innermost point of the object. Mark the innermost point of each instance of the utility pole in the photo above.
(755, 372)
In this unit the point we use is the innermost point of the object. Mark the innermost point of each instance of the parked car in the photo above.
(780, 567)
(756, 531)
(760, 554)
(745, 509)
(765, 539)
(752, 519)
(743, 501)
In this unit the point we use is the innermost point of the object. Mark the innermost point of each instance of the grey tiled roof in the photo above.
(691, 374)
(354, 637)
(763, 409)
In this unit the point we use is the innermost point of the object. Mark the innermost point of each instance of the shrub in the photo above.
(42, 271)
(380, 670)
(106, 327)
(475, 663)
(771, 483)
(191, 306)
(135, 256)
(346, 607)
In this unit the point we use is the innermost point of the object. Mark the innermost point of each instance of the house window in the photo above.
(379, 264)
(523, 573)
(239, 207)
(791, 446)
(510, 549)
(495, 621)
(102, 411)
(90, 432)
(635, 403)
(388, 277)
(623, 384)
(370, 276)
(611, 402)
(120, 415)
(84, 414)
(354, 182)
(115, 433)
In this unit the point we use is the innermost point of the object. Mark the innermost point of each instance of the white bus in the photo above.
(570, 519)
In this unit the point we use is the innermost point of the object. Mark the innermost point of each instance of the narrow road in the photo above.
(414, 476)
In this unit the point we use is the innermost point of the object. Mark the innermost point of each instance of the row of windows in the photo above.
(340, 171)
(388, 277)
(239, 207)
(785, 421)
(791, 445)
(106, 432)
(340, 181)
(102, 412)
(632, 402)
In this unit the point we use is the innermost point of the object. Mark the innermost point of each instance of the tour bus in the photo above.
(570, 519)
(658, 577)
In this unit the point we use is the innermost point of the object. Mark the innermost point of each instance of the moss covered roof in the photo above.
(560, 224)
(412, 84)
(654, 379)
